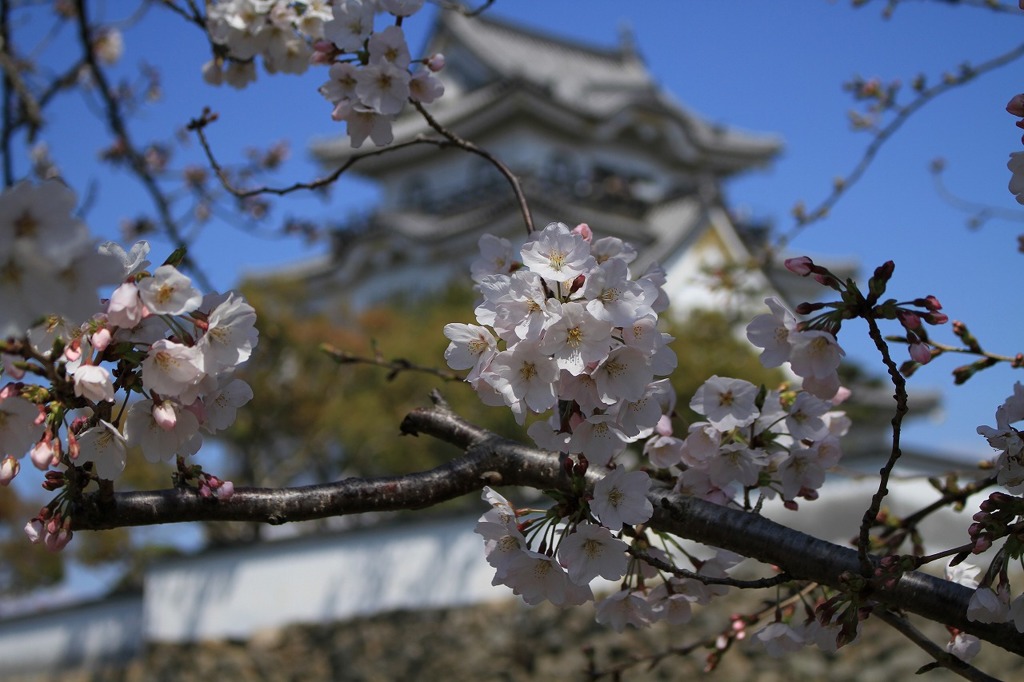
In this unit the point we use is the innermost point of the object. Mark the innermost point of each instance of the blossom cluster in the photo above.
(1009, 464)
(372, 74)
(567, 331)
(779, 442)
(68, 355)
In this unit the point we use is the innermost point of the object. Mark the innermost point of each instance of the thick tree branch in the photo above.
(492, 460)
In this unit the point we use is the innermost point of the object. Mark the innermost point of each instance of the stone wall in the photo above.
(509, 642)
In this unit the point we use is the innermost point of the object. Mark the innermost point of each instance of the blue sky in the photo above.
(771, 67)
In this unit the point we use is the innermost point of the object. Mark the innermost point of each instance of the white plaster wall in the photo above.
(45, 643)
(233, 594)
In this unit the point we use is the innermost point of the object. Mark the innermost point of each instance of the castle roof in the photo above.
(497, 70)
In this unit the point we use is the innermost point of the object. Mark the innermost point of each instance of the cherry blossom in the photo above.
(94, 383)
(727, 403)
(623, 608)
(621, 498)
(780, 639)
(591, 551)
(105, 447)
(557, 255)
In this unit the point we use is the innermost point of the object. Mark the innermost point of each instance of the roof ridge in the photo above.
(618, 53)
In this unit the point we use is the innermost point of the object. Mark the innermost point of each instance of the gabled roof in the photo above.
(497, 70)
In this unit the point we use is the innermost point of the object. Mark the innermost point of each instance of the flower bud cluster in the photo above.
(156, 336)
(853, 304)
(372, 75)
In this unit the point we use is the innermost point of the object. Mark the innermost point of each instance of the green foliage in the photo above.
(313, 419)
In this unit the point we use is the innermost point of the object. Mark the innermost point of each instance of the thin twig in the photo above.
(397, 365)
(882, 136)
(759, 583)
(941, 656)
(461, 143)
(900, 385)
(137, 161)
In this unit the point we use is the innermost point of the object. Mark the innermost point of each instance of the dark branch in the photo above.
(491, 460)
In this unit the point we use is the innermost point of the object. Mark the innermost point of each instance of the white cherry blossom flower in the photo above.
(591, 551)
(612, 296)
(963, 574)
(342, 84)
(538, 577)
(94, 383)
(221, 406)
(771, 332)
(495, 258)
(736, 462)
(132, 261)
(964, 646)
(989, 606)
(401, 8)
(780, 639)
(351, 24)
(168, 292)
(598, 438)
(805, 419)
(230, 332)
(1016, 166)
(623, 608)
(424, 87)
(621, 498)
(557, 255)
(726, 403)
(664, 451)
(172, 368)
(814, 354)
(524, 373)
(105, 447)
(20, 426)
(389, 46)
(383, 87)
(364, 121)
(471, 347)
(576, 338)
(624, 375)
(143, 432)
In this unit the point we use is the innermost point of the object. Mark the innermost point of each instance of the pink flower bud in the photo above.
(908, 319)
(584, 231)
(920, 353)
(9, 468)
(55, 542)
(73, 350)
(1016, 104)
(841, 396)
(101, 339)
(800, 265)
(165, 415)
(435, 62)
(664, 426)
(42, 454)
(34, 530)
(319, 57)
(226, 490)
